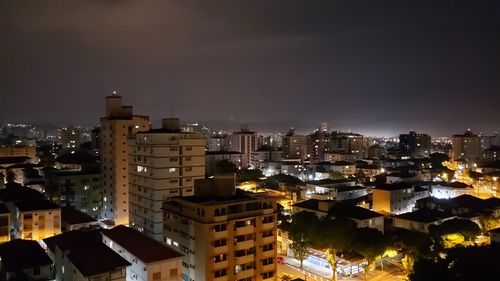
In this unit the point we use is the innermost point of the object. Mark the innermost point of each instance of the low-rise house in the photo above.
(37, 219)
(446, 190)
(344, 167)
(73, 219)
(321, 208)
(150, 259)
(397, 198)
(24, 260)
(81, 256)
(420, 220)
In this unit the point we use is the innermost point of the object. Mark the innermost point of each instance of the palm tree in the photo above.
(286, 278)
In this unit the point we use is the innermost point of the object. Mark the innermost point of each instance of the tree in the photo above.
(371, 244)
(249, 175)
(335, 235)
(463, 227)
(286, 278)
(417, 245)
(225, 167)
(489, 222)
(301, 230)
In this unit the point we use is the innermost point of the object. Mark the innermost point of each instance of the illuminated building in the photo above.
(164, 163)
(71, 137)
(226, 233)
(294, 146)
(117, 126)
(150, 260)
(397, 198)
(18, 151)
(415, 145)
(466, 147)
(4, 224)
(245, 142)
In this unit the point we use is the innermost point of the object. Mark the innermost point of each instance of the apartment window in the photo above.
(268, 219)
(174, 159)
(220, 273)
(188, 148)
(220, 227)
(173, 272)
(267, 261)
(219, 258)
(172, 170)
(188, 169)
(266, 275)
(174, 149)
(156, 275)
(220, 242)
(267, 233)
(267, 247)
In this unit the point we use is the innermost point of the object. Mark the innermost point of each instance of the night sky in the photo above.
(378, 67)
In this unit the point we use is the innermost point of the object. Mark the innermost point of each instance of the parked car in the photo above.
(280, 260)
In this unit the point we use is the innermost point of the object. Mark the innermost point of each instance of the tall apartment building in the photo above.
(226, 233)
(164, 163)
(415, 145)
(245, 142)
(117, 126)
(351, 143)
(217, 143)
(71, 137)
(466, 147)
(294, 146)
(318, 143)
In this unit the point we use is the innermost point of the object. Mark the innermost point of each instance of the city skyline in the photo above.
(374, 69)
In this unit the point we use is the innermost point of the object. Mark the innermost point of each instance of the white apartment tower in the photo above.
(245, 142)
(163, 163)
(117, 126)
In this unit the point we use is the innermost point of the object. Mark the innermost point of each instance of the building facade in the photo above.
(226, 234)
(164, 163)
(117, 126)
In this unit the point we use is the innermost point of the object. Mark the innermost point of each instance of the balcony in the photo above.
(244, 230)
(219, 250)
(245, 274)
(269, 267)
(219, 235)
(244, 259)
(269, 253)
(220, 265)
(268, 240)
(244, 244)
(222, 278)
(268, 225)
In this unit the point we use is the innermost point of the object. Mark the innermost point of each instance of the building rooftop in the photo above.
(424, 215)
(344, 188)
(33, 205)
(210, 200)
(143, 247)
(354, 212)
(72, 216)
(18, 255)
(87, 252)
(15, 192)
(329, 181)
(393, 186)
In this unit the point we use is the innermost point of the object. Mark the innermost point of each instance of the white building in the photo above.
(447, 190)
(397, 198)
(244, 142)
(163, 163)
(117, 126)
(150, 260)
(420, 220)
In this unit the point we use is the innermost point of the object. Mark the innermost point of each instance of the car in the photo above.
(280, 260)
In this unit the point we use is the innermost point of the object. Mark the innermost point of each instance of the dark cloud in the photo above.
(372, 66)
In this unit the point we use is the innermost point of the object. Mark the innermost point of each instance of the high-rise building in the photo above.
(226, 233)
(164, 163)
(415, 145)
(466, 147)
(217, 143)
(245, 142)
(318, 143)
(117, 126)
(71, 137)
(350, 143)
(294, 146)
